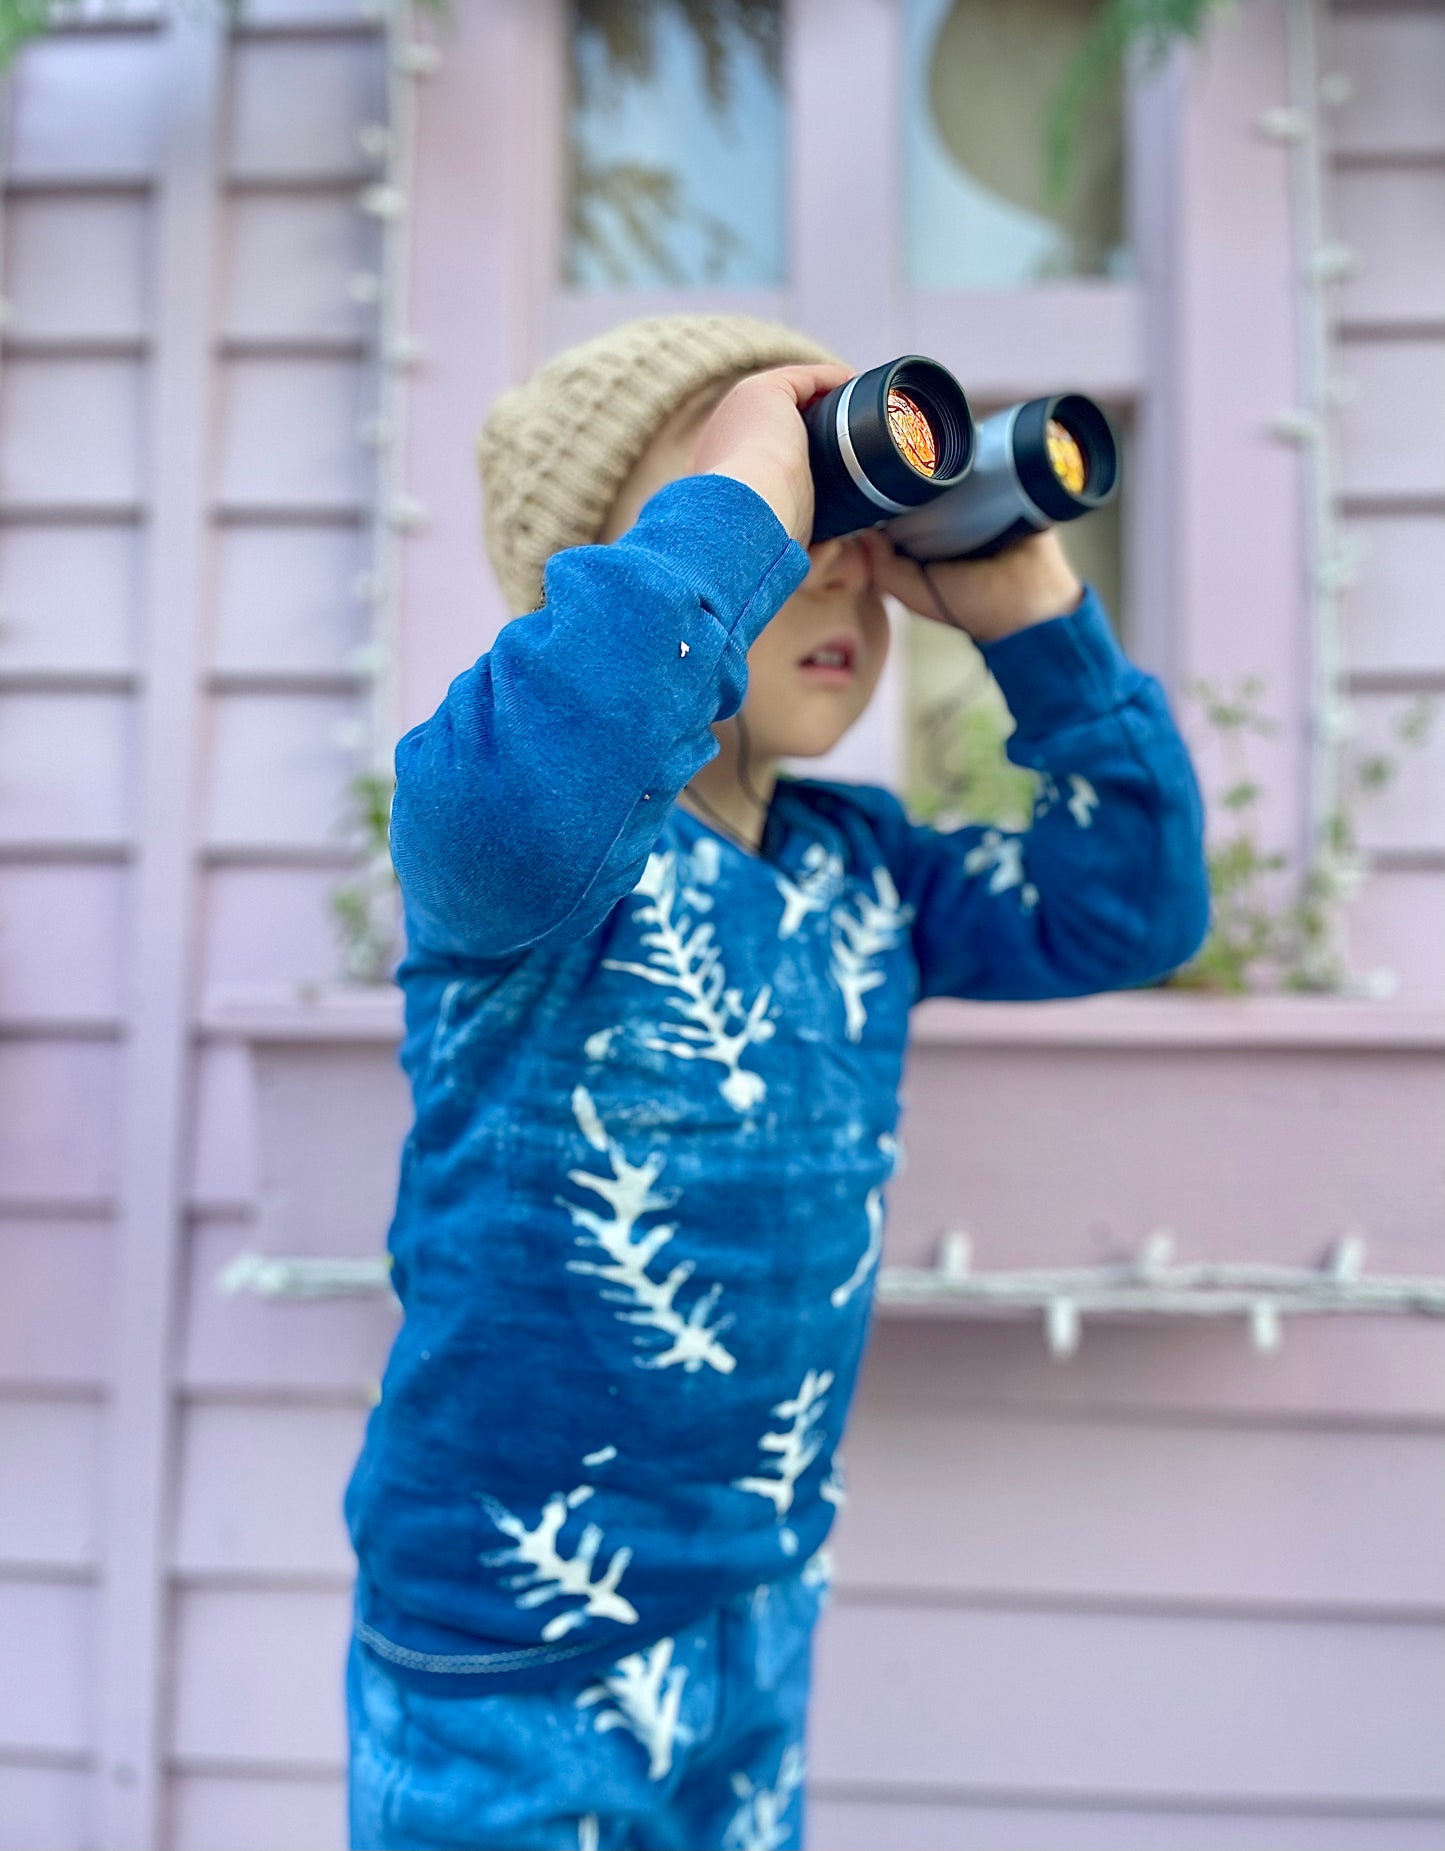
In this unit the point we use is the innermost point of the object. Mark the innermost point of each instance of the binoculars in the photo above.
(897, 448)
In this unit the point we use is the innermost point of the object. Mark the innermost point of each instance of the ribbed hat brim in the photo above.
(555, 451)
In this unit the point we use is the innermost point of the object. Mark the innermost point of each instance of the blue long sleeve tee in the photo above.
(656, 1087)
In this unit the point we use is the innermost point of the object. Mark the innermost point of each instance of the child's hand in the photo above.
(1025, 584)
(757, 435)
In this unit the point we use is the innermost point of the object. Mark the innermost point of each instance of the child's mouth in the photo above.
(833, 663)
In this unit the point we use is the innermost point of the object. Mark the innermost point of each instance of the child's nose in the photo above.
(838, 565)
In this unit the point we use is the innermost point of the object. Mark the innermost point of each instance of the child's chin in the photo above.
(813, 741)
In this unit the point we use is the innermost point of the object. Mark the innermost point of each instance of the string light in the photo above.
(1150, 1287)
(1282, 123)
(366, 903)
(1153, 1286)
(1320, 264)
(395, 512)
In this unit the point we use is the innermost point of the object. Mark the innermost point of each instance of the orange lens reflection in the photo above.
(912, 432)
(1066, 457)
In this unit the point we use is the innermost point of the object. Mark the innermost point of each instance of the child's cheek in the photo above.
(877, 640)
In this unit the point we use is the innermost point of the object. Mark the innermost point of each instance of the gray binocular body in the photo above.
(897, 447)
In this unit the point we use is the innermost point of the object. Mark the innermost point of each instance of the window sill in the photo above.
(365, 1013)
(1178, 1019)
(286, 1012)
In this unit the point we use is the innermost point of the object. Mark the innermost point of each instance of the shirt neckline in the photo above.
(774, 824)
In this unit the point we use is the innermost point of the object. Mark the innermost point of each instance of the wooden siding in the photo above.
(76, 449)
(181, 508)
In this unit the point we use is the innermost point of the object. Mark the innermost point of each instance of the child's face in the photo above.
(795, 707)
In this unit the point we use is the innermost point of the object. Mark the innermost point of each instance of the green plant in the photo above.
(1247, 928)
(1268, 930)
(366, 908)
(20, 21)
(625, 31)
(966, 776)
(1260, 934)
(1122, 26)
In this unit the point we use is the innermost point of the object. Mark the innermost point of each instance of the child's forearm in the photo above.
(1107, 889)
(1116, 849)
(528, 804)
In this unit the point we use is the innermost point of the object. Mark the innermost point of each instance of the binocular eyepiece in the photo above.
(885, 442)
(897, 447)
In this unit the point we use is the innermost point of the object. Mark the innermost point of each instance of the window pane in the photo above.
(980, 77)
(956, 770)
(675, 168)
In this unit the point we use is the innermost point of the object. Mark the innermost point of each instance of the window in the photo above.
(980, 78)
(675, 145)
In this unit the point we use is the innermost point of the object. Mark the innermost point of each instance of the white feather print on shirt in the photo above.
(868, 1260)
(1083, 800)
(683, 957)
(642, 1693)
(760, 1822)
(652, 1303)
(814, 890)
(1004, 854)
(890, 1148)
(792, 1450)
(860, 936)
(549, 1575)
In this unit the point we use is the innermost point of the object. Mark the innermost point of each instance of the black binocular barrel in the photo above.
(884, 442)
(1038, 463)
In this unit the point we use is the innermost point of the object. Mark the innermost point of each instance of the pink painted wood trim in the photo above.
(293, 1012)
(342, 1013)
(162, 942)
(1011, 343)
(541, 125)
(1151, 486)
(843, 257)
(1176, 1021)
(843, 171)
(471, 310)
(1238, 513)
(572, 316)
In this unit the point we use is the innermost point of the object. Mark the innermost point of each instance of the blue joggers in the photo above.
(692, 1744)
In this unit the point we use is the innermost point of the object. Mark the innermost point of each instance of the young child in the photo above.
(657, 1000)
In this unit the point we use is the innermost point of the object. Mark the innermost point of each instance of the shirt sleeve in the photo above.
(527, 805)
(1108, 888)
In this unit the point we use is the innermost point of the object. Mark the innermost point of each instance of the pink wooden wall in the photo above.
(1386, 200)
(1170, 1595)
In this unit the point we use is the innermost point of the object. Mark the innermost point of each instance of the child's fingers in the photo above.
(891, 572)
(809, 381)
(899, 577)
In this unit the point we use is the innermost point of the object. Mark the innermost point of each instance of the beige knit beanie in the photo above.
(555, 451)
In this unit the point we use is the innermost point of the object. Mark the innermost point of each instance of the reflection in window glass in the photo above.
(979, 77)
(675, 144)
(957, 770)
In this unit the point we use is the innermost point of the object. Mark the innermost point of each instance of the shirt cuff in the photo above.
(723, 541)
(1064, 671)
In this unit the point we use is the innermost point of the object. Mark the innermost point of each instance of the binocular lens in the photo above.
(1046, 460)
(1066, 456)
(886, 441)
(912, 432)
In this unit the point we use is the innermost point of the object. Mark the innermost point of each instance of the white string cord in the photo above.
(1151, 1286)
